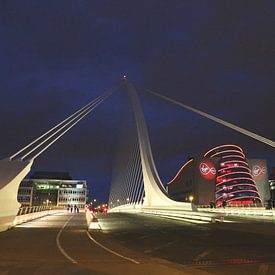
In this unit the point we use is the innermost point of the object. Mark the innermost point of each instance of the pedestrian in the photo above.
(71, 209)
(77, 210)
(224, 204)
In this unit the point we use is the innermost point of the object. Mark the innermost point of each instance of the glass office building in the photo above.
(55, 189)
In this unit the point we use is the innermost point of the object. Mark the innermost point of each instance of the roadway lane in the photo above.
(221, 248)
(59, 244)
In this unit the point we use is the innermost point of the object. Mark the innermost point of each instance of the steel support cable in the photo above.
(98, 99)
(109, 92)
(140, 188)
(136, 188)
(139, 194)
(133, 172)
(49, 131)
(121, 189)
(60, 135)
(127, 174)
(135, 175)
(115, 185)
(218, 120)
(129, 180)
(137, 182)
(115, 179)
(118, 177)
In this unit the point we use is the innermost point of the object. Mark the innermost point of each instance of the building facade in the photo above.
(195, 181)
(53, 191)
(222, 176)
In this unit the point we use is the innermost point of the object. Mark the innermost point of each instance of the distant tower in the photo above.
(234, 183)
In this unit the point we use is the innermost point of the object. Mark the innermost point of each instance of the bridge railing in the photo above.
(256, 205)
(26, 214)
(33, 209)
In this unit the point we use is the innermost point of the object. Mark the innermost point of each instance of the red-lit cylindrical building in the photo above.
(234, 183)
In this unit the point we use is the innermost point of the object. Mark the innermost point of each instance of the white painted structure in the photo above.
(11, 174)
(155, 194)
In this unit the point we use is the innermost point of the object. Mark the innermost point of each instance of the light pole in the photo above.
(191, 198)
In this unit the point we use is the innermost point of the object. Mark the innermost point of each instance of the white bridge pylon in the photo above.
(15, 168)
(155, 194)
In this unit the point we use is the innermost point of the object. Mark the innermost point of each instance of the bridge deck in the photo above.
(59, 244)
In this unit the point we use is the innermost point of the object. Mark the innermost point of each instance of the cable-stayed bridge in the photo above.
(136, 183)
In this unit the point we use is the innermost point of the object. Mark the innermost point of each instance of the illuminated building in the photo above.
(223, 174)
(196, 180)
(55, 189)
(234, 181)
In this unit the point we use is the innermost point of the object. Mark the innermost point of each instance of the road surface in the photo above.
(136, 244)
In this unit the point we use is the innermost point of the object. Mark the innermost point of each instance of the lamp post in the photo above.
(191, 198)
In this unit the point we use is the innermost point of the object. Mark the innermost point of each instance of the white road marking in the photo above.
(159, 247)
(110, 250)
(65, 254)
(202, 255)
(263, 269)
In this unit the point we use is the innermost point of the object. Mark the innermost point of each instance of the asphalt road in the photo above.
(136, 244)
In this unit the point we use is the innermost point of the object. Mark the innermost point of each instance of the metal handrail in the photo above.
(33, 209)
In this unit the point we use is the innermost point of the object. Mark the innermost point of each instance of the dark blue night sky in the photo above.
(218, 56)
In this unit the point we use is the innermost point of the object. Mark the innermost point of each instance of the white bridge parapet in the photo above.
(35, 215)
(170, 212)
(11, 175)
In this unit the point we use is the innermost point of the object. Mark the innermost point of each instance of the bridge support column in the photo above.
(155, 194)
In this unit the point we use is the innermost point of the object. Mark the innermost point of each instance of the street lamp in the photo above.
(191, 198)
